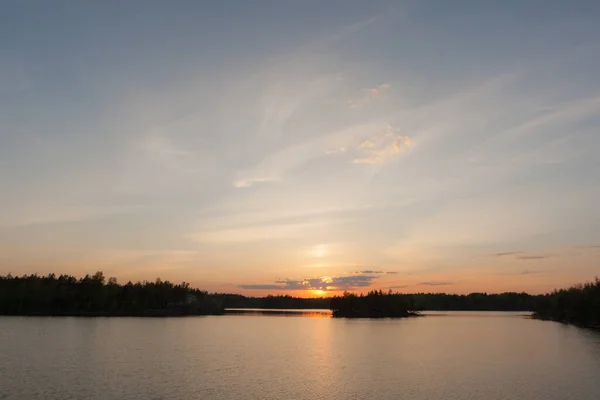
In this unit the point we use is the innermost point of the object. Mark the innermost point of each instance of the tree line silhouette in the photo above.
(578, 305)
(374, 304)
(414, 301)
(95, 296)
(284, 302)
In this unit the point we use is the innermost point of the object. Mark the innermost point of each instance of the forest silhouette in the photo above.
(94, 295)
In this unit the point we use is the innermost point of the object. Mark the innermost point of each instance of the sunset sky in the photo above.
(294, 147)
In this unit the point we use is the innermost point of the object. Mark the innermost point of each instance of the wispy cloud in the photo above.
(587, 247)
(369, 96)
(436, 283)
(341, 150)
(161, 145)
(256, 233)
(523, 272)
(529, 272)
(520, 255)
(349, 30)
(533, 257)
(345, 141)
(245, 183)
(382, 146)
(508, 253)
(574, 110)
(51, 214)
(163, 150)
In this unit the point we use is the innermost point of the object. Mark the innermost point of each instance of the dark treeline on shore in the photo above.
(578, 305)
(95, 296)
(415, 302)
(274, 302)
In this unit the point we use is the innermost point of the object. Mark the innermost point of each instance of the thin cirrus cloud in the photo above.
(336, 151)
(256, 233)
(246, 183)
(519, 255)
(508, 253)
(523, 272)
(367, 142)
(534, 257)
(382, 146)
(369, 96)
(529, 272)
(436, 283)
(361, 143)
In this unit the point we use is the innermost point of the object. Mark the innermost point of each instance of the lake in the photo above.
(450, 355)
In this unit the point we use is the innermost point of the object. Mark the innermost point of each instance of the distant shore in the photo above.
(96, 296)
(100, 314)
(565, 322)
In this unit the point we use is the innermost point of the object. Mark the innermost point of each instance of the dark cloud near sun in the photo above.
(375, 272)
(327, 283)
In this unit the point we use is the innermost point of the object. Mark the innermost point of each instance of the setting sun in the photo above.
(319, 251)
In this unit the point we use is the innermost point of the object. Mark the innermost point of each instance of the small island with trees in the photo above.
(94, 295)
(375, 304)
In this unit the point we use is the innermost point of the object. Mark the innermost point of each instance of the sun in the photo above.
(319, 250)
(318, 292)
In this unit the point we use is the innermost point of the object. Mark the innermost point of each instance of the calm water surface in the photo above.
(442, 356)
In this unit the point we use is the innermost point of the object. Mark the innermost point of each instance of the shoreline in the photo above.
(565, 322)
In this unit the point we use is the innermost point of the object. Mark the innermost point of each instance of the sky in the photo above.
(303, 147)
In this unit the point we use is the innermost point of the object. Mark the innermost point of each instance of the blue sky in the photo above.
(287, 146)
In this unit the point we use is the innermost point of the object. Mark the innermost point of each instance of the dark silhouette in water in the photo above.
(578, 305)
(375, 304)
(93, 296)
